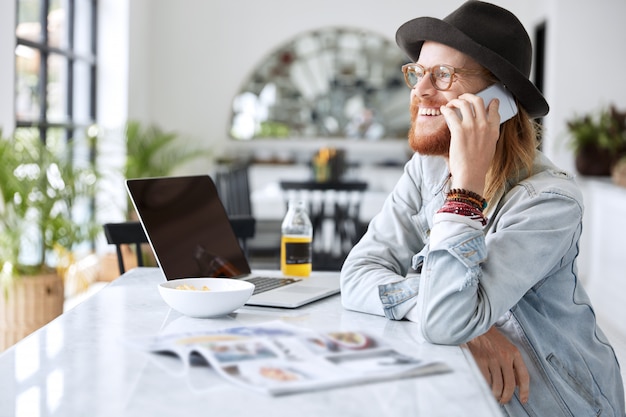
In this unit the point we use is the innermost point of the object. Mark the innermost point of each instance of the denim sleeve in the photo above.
(471, 251)
(399, 297)
(470, 280)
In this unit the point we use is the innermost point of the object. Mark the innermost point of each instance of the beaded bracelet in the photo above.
(463, 195)
(464, 209)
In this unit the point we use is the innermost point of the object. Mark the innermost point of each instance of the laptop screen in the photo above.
(187, 227)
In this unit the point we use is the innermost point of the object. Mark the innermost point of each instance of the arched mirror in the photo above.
(328, 83)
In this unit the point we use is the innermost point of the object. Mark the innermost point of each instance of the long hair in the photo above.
(515, 153)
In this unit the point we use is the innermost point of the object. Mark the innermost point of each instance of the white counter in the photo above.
(79, 365)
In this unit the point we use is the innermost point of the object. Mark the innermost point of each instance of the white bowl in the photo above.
(220, 296)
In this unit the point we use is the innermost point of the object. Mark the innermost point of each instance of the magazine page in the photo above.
(277, 358)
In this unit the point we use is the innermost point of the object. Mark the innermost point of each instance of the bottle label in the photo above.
(298, 253)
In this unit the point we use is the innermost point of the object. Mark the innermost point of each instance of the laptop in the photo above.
(188, 229)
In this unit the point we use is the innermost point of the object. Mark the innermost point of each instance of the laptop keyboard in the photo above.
(262, 284)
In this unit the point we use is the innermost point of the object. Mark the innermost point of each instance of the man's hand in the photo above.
(501, 364)
(473, 140)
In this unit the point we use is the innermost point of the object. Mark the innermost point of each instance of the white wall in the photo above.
(586, 59)
(188, 58)
(7, 66)
(113, 65)
(112, 103)
(195, 54)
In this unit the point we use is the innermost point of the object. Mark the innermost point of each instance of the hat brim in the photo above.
(411, 36)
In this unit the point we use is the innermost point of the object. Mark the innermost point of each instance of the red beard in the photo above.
(435, 143)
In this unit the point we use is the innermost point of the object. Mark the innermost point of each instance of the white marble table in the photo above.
(79, 365)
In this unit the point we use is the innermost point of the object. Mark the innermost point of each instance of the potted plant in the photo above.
(154, 152)
(598, 140)
(150, 152)
(42, 192)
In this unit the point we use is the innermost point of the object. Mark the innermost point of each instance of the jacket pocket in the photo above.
(576, 385)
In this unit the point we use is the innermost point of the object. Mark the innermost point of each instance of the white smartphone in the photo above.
(507, 108)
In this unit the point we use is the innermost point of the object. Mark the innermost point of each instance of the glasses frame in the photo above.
(453, 71)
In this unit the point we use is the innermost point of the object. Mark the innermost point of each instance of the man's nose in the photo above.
(424, 86)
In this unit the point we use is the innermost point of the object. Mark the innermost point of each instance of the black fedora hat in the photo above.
(492, 36)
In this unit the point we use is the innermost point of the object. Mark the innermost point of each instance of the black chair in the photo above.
(233, 187)
(244, 228)
(131, 233)
(334, 208)
(127, 233)
(231, 181)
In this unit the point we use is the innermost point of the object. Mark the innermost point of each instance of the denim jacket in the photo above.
(517, 273)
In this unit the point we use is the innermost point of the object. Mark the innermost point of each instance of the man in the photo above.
(489, 223)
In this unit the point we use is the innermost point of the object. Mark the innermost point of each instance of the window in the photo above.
(55, 80)
(55, 72)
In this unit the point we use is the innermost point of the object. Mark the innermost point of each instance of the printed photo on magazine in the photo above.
(276, 358)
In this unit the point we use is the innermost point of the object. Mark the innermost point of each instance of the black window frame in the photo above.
(69, 125)
(81, 151)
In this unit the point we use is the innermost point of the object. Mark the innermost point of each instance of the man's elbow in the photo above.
(440, 333)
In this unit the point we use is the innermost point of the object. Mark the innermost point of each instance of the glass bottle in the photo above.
(296, 238)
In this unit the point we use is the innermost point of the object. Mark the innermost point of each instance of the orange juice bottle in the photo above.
(296, 250)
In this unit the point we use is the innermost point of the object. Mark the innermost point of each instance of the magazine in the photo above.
(276, 358)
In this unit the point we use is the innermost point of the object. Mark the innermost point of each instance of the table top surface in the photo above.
(81, 365)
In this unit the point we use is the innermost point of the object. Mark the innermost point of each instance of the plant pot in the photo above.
(593, 161)
(27, 304)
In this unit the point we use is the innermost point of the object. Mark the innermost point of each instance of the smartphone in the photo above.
(507, 108)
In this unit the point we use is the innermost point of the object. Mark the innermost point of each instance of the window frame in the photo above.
(72, 132)
(69, 125)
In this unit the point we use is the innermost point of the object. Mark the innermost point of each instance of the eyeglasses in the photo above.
(441, 76)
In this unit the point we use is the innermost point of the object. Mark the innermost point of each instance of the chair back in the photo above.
(244, 228)
(131, 233)
(231, 181)
(233, 187)
(126, 233)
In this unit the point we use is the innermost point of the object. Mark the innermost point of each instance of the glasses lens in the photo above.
(442, 76)
(413, 75)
